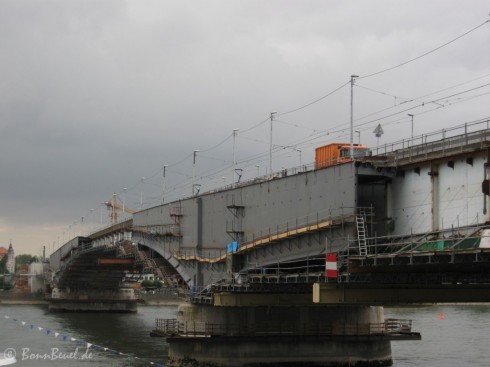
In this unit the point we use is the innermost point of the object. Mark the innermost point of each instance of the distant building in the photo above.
(36, 280)
(11, 260)
(140, 277)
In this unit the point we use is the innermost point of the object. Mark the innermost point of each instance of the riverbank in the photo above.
(160, 299)
(161, 303)
(14, 298)
(21, 302)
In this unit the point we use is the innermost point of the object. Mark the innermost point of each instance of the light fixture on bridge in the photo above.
(194, 171)
(234, 158)
(163, 183)
(410, 115)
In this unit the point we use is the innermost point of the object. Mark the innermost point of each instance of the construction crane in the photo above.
(114, 206)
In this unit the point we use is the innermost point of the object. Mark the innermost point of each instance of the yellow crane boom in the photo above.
(114, 206)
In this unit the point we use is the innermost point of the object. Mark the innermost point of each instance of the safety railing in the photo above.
(454, 239)
(288, 229)
(442, 142)
(172, 327)
(160, 230)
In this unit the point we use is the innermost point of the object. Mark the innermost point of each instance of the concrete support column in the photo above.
(434, 179)
(486, 198)
(278, 336)
(389, 207)
(199, 281)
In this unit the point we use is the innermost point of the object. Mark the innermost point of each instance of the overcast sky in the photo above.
(96, 96)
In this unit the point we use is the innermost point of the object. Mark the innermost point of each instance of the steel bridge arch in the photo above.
(158, 248)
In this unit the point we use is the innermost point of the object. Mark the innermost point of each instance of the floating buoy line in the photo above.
(80, 342)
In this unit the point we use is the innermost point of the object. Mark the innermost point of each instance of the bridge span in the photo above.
(406, 225)
(409, 193)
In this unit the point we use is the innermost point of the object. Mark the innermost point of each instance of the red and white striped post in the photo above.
(331, 266)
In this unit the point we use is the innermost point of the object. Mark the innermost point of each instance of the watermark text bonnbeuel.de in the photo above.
(54, 354)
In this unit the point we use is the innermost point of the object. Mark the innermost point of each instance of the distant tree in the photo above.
(3, 265)
(5, 286)
(147, 283)
(24, 259)
(158, 284)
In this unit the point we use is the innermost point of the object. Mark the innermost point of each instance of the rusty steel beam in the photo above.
(115, 261)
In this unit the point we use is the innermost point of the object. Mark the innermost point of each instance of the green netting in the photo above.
(432, 245)
(468, 243)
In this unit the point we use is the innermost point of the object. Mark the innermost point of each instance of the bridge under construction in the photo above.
(326, 246)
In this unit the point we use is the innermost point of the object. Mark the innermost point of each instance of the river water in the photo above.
(451, 336)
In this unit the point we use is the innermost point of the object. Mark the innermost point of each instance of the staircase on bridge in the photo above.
(157, 267)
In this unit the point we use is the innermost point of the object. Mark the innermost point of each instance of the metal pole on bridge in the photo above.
(234, 159)
(270, 144)
(352, 77)
(163, 183)
(411, 115)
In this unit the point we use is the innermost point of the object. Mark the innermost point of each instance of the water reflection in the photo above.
(460, 338)
(125, 333)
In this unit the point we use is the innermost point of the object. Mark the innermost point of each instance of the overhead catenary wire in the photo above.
(420, 104)
(451, 87)
(316, 100)
(331, 93)
(424, 54)
(339, 127)
(179, 162)
(298, 108)
(315, 136)
(297, 143)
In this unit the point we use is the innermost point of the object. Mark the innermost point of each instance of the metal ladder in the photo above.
(361, 234)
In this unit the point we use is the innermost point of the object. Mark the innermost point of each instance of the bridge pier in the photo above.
(278, 335)
(277, 352)
(121, 300)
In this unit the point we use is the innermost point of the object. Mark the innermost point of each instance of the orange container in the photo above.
(337, 153)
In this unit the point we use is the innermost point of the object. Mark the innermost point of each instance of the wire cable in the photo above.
(315, 101)
(424, 54)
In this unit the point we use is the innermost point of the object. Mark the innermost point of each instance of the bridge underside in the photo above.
(97, 269)
(464, 266)
(396, 294)
(265, 259)
(91, 280)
